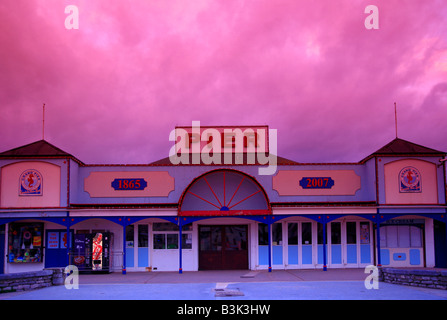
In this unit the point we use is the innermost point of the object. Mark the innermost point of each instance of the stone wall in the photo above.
(436, 279)
(31, 280)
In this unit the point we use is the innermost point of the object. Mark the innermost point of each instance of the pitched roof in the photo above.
(40, 148)
(403, 147)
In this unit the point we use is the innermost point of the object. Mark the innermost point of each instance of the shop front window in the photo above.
(166, 236)
(25, 242)
(400, 236)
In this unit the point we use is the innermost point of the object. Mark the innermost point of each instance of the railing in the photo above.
(104, 262)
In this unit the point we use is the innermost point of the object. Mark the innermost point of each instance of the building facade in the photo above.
(219, 211)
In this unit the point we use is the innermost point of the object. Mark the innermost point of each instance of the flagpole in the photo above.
(43, 122)
(395, 117)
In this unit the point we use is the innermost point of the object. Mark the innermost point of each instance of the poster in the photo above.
(53, 240)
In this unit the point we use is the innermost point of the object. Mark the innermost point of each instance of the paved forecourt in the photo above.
(336, 284)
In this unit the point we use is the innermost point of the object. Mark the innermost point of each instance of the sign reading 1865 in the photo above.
(129, 184)
(316, 182)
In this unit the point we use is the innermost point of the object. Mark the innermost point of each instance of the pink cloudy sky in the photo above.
(117, 86)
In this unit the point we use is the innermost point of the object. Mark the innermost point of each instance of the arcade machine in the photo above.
(91, 252)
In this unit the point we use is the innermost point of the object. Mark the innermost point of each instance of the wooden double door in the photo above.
(223, 247)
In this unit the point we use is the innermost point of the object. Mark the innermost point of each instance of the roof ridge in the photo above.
(37, 148)
(399, 146)
(407, 143)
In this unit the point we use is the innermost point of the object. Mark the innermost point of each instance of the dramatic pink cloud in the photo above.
(116, 87)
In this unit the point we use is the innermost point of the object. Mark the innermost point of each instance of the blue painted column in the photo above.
(124, 245)
(324, 245)
(68, 238)
(270, 244)
(180, 226)
(379, 259)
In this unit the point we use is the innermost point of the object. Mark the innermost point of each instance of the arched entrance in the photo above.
(230, 194)
(224, 193)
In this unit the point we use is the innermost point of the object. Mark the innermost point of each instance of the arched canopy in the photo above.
(224, 192)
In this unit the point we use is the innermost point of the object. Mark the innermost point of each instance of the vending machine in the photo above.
(91, 252)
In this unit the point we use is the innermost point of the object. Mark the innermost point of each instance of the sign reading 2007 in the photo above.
(316, 182)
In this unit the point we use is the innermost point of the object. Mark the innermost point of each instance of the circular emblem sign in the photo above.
(31, 182)
(410, 180)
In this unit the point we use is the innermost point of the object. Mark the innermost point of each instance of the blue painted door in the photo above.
(56, 248)
(336, 244)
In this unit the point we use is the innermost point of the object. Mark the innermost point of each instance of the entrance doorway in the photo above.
(2, 248)
(440, 244)
(301, 244)
(56, 248)
(223, 247)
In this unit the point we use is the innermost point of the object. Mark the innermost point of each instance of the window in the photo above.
(403, 236)
(235, 238)
(292, 232)
(166, 236)
(143, 236)
(172, 240)
(388, 236)
(210, 238)
(306, 233)
(335, 232)
(263, 235)
(129, 236)
(400, 236)
(351, 233)
(277, 234)
(25, 242)
(164, 226)
(159, 241)
(186, 240)
(415, 236)
(320, 234)
(364, 233)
